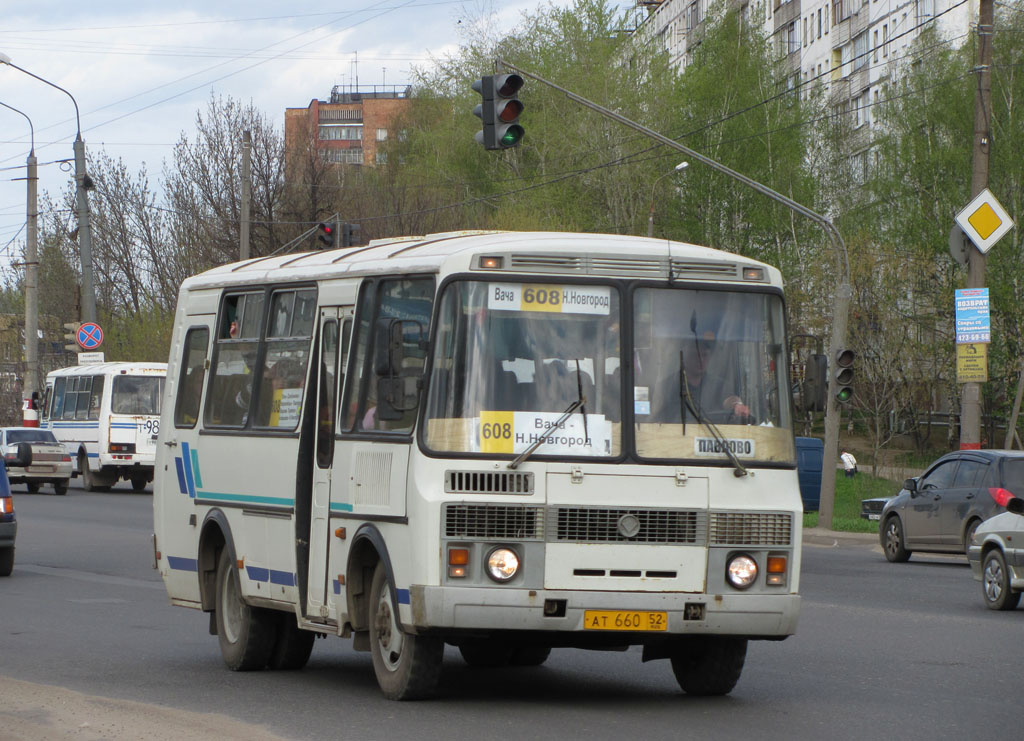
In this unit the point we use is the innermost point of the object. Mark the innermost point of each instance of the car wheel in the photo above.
(407, 666)
(892, 540)
(6, 561)
(995, 583)
(60, 488)
(969, 533)
(708, 665)
(32, 486)
(246, 634)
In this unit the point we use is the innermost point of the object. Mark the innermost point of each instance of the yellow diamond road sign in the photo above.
(984, 220)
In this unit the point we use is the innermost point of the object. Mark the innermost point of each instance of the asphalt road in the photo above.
(883, 650)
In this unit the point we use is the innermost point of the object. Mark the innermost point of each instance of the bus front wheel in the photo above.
(407, 666)
(708, 666)
(246, 634)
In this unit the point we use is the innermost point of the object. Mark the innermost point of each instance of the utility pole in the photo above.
(243, 247)
(970, 398)
(30, 384)
(843, 292)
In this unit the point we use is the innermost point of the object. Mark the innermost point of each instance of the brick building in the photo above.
(349, 128)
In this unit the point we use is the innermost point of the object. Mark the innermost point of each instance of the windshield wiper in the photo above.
(686, 401)
(580, 403)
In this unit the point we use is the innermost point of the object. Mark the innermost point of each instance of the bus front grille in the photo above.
(488, 482)
(493, 521)
(751, 528)
(627, 525)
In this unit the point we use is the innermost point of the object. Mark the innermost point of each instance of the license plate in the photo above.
(624, 620)
(874, 517)
(40, 469)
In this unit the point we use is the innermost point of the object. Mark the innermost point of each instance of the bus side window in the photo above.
(58, 398)
(193, 373)
(96, 397)
(47, 398)
(84, 393)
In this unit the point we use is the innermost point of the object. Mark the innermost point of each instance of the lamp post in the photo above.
(30, 384)
(83, 183)
(650, 214)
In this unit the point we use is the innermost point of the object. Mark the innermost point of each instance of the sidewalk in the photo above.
(823, 536)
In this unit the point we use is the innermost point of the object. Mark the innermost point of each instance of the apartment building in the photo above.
(348, 128)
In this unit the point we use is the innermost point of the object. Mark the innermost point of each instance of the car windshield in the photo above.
(137, 395)
(30, 436)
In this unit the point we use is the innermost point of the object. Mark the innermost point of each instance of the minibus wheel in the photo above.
(708, 665)
(246, 634)
(407, 666)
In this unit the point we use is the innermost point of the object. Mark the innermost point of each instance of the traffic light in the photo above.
(815, 383)
(71, 336)
(327, 234)
(349, 235)
(499, 111)
(844, 375)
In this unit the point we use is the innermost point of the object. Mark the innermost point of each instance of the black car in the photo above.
(8, 524)
(939, 510)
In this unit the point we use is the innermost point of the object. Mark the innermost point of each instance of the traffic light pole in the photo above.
(841, 303)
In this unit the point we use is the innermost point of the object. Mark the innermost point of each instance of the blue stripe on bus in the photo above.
(282, 578)
(124, 425)
(196, 476)
(257, 573)
(183, 564)
(340, 507)
(186, 458)
(247, 498)
(181, 476)
(402, 595)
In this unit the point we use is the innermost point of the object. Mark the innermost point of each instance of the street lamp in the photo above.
(29, 385)
(83, 183)
(650, 214)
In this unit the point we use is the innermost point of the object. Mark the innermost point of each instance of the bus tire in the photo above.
(89, 479)
(245, 634)
(292, 645)
(139, 482)
(407, 666)
(530, 655)
(708, 666)
(486, 654)
(32, 486)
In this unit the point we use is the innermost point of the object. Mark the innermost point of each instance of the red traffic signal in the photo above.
(327, 234)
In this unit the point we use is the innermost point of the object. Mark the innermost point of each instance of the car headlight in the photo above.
(502, 564)
(741, 571)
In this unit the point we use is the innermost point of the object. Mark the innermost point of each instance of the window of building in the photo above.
(860, 51)
(341, 132)
(382, 135)
(793, 40)
(819, 23)
(381, 157)
(885, 39)
(925, 10)
(350, 156)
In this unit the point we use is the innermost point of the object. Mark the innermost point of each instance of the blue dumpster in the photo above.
(810, 452)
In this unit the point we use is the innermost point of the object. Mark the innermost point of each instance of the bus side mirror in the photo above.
(397, 385)
(388, 348)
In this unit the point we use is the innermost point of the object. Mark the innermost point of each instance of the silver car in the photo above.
(996, 556)
(35, 457)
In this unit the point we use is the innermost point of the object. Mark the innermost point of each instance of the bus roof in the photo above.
(142, 369)
(561, 253)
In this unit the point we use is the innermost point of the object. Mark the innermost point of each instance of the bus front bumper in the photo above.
(753, 615)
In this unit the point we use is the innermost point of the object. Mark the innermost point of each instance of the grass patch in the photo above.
(846, 508)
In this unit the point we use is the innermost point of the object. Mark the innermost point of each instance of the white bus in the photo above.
(505, 442)
(107, 415)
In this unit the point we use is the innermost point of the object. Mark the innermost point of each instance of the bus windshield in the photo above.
(137, 395)
(510, 358)
(707, 369)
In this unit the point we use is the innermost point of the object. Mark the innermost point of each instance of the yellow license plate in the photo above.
(624, 620)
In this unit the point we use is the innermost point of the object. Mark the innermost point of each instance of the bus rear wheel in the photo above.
(407, 666)
(139, 482)
(92, 481)
(246, 634)
(708, 666)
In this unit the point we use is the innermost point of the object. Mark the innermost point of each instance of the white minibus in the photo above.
(504, 442)
(107, 415)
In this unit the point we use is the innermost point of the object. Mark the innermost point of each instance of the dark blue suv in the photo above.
(8, 524)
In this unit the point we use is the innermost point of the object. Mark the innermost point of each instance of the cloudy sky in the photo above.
(140, 71)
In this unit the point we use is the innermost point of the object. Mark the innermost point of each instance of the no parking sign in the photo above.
(89, 336)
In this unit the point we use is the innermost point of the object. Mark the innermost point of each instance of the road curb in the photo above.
(823, 536)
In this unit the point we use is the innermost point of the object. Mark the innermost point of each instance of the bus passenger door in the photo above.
(335, 328)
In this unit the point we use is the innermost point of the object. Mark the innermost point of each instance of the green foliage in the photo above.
(849, 492)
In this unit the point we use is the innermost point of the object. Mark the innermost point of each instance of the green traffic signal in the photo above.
(844, 375)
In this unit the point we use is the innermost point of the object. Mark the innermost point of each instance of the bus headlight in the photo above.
(502, 564)
(741, 571)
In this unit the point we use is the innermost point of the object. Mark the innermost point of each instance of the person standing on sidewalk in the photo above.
(849, 463)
